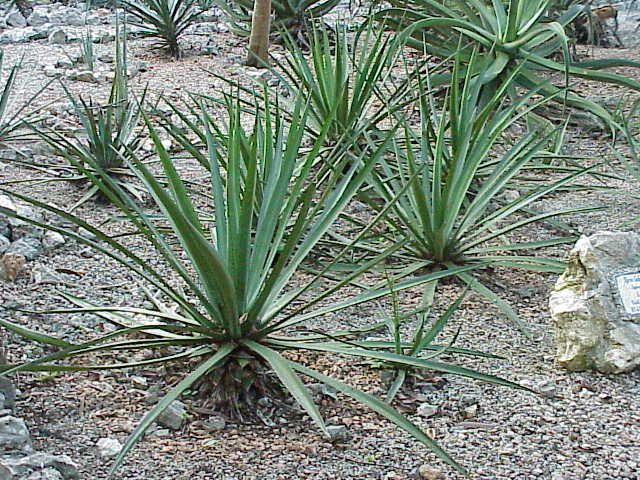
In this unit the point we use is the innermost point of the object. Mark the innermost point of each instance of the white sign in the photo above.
(629, 288)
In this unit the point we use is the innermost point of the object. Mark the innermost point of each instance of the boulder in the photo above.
(595, 305)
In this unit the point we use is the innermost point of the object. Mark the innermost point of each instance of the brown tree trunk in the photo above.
(258, 55)
(24, 7)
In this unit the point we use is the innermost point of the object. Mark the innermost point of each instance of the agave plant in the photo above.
(346, 81)
(235, 303)
(163, 20)
(413, 333)
(513, 36)
(110, 135)
(449, 179)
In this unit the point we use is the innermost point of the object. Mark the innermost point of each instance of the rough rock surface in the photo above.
(593, 328)
(14, 434)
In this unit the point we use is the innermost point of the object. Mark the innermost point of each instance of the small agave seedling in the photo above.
(232, 265)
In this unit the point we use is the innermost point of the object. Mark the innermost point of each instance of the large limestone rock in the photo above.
(595, 305)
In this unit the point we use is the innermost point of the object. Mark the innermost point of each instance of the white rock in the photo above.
(426, 410)
(83, 76)
(108, 447)
(64, 63)
(593, 329)
(20, 467)
(427, 472)
(6, 202)
(52, 240)
(57, 36)
(52, 72)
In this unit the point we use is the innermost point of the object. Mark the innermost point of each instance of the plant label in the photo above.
(629, 289)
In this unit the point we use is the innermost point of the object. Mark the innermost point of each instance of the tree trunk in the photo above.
(23, 7)
(258, 55)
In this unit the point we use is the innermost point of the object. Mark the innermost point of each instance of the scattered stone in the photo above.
(6, 202)
(596, 327)
(4, 244)
(37, 18)
(471, 411)
(215, 423)
(57, 36)
(15, 19)
(8, 391)
(19, 467)
(427, 472)
(138, 381)
(46, 474)
(338, 433)
(83, 76)
(28, 247)
(52, 240)
(14, 434)
(547, 388)
(173, 416)
(65, 63)
(52, 72)
(426, 410)
(108, 447)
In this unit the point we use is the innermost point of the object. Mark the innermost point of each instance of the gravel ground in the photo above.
(581, 426)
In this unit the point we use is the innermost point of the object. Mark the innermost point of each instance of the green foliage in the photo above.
(12, 118)
(346, 82)
(235, 259)
(631, 162)
(109, 134)
(163, 20)
(446, 181)
(293, 16)
(421, 336)
(512, 37)
(86, 49)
